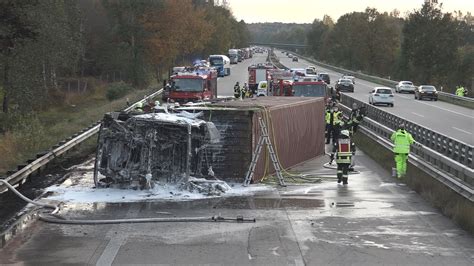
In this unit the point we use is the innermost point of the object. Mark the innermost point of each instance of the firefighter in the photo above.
(237, 91)
(247, 92)
(461, 91)
(357, 115)
(343, 148)
(402, 141)
(331, 118)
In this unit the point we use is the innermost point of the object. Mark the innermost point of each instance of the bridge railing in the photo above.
(454, 150)
(456, 176)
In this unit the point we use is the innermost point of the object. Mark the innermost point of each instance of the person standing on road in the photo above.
(343, 149)
(332, 121)
(237, 91)
(402, 141)
(356, 117)
(246, 90)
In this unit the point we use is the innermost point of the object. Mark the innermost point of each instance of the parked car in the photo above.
(426, 91)
(295, 59)
(405, 86)
(325, 77)
(382, 95)
(350, 77)
(345, 85)
(290, 55)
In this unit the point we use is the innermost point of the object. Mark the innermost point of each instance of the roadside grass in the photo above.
(34, 133)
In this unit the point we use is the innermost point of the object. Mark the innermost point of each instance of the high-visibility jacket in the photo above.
(402, 140)
(344, 150)
(331, 115)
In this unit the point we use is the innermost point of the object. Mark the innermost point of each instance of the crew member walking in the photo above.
(402, 141)
(343, 149)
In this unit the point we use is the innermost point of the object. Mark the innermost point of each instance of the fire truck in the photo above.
(258, 73)
(287, 83)
(192, 84)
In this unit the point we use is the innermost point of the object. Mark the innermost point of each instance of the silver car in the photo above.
(405, 86)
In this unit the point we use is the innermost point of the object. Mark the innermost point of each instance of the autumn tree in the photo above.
(178, 31)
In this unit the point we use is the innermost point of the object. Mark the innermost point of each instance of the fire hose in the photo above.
(53, 217)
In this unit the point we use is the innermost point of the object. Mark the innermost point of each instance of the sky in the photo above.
(305, 11)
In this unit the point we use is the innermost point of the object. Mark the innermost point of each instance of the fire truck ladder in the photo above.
(264, 138)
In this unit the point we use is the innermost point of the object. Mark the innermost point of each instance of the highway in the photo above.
(374, 220)
(238, 72)
(451, 120)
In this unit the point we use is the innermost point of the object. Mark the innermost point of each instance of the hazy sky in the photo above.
(305, 11)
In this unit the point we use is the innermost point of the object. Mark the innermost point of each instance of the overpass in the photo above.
(291, 46)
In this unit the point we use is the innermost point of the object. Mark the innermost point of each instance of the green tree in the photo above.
(430, 45)
(15, 28)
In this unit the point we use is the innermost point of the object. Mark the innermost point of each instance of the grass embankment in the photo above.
(29, 134)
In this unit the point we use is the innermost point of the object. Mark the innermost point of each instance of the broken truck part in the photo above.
(138, 151)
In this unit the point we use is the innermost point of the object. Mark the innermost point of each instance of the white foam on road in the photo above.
(79, 188)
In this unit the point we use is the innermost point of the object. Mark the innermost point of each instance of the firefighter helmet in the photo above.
(345, 132)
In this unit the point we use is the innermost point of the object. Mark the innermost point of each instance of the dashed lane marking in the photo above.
(417, 114)
(464, 131)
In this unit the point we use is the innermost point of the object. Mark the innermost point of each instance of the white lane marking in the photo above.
(406, 97)
(454, 112)
(464, 131)
(417, 114)
(363, 82)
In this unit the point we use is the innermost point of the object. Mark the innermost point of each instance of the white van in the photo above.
(262, 88)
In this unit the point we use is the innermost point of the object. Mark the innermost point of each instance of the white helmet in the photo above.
(345, 132)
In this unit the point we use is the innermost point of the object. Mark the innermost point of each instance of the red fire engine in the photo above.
(192, 84)
(258, 73)
(286, 83)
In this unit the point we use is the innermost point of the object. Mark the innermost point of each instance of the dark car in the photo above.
(325, 77)
(345, 85)
(427, 92)
(295, 59)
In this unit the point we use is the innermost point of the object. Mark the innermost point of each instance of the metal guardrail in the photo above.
(443, 96)
(455, 150)
(422, 157)
(23, 173)
(447, 157)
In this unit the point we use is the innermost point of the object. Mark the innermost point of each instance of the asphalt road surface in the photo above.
(451, 120)
(372, 221)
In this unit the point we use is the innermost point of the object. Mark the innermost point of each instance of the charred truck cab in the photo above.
(191, 85)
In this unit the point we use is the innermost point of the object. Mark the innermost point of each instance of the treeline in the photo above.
(278, 32)
(427, 47)
(46, 43)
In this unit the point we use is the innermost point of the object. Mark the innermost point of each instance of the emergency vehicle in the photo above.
(193, 84)
(258, 73)
(290, 83)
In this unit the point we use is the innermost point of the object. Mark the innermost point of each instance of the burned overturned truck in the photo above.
(138, 151)
(134, 151)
